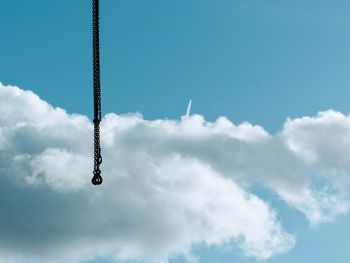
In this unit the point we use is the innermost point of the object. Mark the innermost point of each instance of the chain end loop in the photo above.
(97, 178)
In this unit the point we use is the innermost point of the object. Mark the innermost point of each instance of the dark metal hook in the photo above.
(97, 178)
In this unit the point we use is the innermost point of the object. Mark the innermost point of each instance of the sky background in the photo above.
(256, 61)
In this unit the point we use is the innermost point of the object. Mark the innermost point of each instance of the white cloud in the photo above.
(168, 185)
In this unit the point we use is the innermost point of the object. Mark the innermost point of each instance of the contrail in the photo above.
(188, 109)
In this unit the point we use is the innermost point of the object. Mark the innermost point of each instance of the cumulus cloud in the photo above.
(168, 185)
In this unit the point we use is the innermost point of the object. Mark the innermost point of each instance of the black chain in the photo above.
(96, 179)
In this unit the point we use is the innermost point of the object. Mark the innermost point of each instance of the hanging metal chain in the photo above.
(96, 179)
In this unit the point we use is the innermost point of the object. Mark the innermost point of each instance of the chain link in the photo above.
(96, 179)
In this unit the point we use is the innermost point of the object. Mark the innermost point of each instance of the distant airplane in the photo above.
(188, 112)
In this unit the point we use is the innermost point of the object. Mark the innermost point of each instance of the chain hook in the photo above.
(97, 178)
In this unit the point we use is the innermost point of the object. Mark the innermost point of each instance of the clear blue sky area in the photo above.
(256, 61)
(249, 60)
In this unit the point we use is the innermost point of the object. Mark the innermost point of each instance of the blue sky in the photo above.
(248, 60)
(255, 61)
